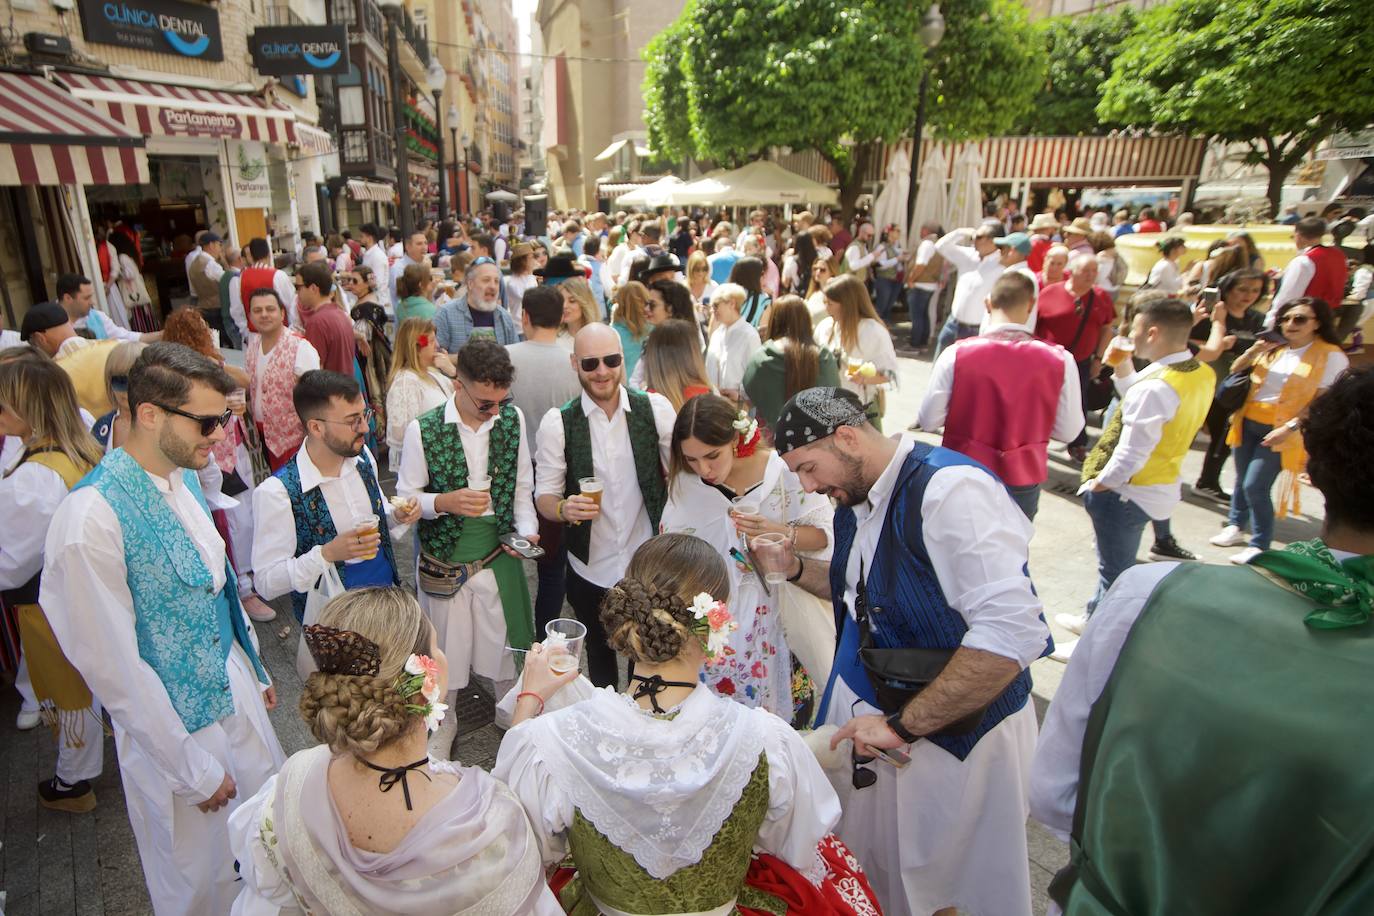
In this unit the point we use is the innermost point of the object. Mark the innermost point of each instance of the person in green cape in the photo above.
(468, 463)
(1208, 750)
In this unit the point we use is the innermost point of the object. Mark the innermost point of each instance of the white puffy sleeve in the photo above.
(802, 804)
(264, 892)
(812, 510)
(521, 767)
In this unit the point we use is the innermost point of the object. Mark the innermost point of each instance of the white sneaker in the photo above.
(1074, 623)
(1245, 556)
(28, 719)
(1230, 536)
(1063, 651)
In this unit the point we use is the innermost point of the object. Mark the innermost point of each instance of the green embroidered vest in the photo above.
(448, 471)
(577, 451)
(1226, 766)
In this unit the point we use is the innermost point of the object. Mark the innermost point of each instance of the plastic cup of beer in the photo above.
(481, 484)
(770, 549)
(1118, 351)
(365, 526)
(563, 640)
(591, 487)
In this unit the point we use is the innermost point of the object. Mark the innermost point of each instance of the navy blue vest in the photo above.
(901, 581)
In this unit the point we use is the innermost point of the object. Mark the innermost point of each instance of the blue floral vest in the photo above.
(901, 581)
(182, 624)
(315, 527)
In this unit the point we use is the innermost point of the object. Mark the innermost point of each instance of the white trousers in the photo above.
(471, 630)
(87, 761)
(23, 684)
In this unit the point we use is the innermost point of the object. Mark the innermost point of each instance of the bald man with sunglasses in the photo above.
(621, 438)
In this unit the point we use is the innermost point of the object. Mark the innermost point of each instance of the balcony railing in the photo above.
(366, 150)
(360, 16)
(281, 14)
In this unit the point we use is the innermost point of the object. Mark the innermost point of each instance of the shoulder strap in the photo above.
(1083, 324)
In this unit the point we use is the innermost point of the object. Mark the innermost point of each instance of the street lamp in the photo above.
(453, 116)
(435, 78)
(931, 31)
(392, 11)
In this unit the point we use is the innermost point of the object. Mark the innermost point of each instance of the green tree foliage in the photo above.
(731, 78)
(1280, 75)
(1079, 51)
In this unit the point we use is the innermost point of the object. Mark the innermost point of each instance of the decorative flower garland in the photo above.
(422, 676)
(749, 435)
(713, 621)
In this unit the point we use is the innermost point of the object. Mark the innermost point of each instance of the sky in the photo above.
(523, 10)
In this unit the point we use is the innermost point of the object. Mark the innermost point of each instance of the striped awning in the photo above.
(371, 190)
(49, 137)
(313, 141)
(161, 109)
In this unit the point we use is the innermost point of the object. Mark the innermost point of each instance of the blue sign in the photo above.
(299, 50)
(160, 26)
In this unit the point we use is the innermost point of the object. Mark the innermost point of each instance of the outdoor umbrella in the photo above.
(503, 196)
(765, 182)
(966, 190)
(930, 193)
(890, 207)
(702, 191)
(651, 195)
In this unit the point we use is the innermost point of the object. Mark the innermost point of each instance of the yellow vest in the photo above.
(86, 368)
(60, 464)
(1195, 390)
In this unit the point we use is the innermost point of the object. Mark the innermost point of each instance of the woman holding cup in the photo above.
(727, 488)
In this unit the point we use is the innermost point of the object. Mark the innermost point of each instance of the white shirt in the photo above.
(1288, 361)
(111, 330)
(307, 358)
(924, 252)
(285, 288)
(978, 542)
(409, 396)
(728, 354)
(976, 277)
(414, 473)
(626, 263)
(276, 568)
(857, 258)
(1164, 276)
(516, 287)
(397, 269)
(1068, 418)
(191, 259)
(874, 345)
(1293, 284)
(1147, 403)
(375, 259)
(28, 500)
(623, 524)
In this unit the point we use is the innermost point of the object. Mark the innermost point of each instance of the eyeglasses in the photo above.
(208, 423)
(862, 776)
(1295, 319)
(356, 421)
(612, 361)
(484, 406)
(480, 261)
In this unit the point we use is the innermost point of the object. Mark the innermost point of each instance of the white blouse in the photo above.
(28, 500)
(874, 346)
(409, 396)
(728, 354)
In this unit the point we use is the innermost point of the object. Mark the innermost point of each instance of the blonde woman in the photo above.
(579, 309)
(631, 321)
(700, 284)
(671, 363)
(418, 381)
(365, 821)
(111, 429)
(853, 326)
(733, 341)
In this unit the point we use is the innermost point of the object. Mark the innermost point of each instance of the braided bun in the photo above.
(645, 623)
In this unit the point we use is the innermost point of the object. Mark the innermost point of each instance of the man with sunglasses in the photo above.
(306, 513)
(150, 615)
(623, 438)
(478, 312)
(468, 464)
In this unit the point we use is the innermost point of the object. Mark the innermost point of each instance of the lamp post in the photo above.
(931, 31)
(453, 116)
(467, 193)
(435, 77)
(392, 11)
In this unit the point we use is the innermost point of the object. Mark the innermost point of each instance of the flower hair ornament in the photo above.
(421, 676)
(714, 622)
(749, 435)
(422, 341)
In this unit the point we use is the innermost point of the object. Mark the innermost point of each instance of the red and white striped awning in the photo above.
(160, 109)
(313, 141)
(371, 190)
(49, 137)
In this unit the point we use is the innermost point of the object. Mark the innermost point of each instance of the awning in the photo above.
(49, 137)
(314, 141)
(371, 190)
(643, 151)
(159, 109)
(614, 189)
(610, 151)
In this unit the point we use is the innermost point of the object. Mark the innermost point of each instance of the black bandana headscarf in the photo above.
(815, 414)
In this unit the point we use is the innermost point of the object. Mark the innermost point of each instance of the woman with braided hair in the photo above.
(672, 799)
(366, 822)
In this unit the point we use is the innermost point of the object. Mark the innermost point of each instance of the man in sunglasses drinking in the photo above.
(620, 440)
(468, 463)
(151, 618)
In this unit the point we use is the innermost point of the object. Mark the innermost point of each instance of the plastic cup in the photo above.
(366, 525)
(591, 487)
(563, 640)
(481, 484)
(770, 549)
(1118, 351)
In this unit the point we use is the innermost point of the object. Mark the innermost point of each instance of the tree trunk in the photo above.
(852, 181)
(1279, 169)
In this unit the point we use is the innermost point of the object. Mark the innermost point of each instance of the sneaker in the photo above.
(1074, 623)
(1245, 556)
(77, 799)
(1169, 549)
(28, 719)
(1063, 651)
(258, 610)
(1214, 493)
(1230, 536)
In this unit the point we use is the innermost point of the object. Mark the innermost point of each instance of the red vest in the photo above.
(251, 280)
(1002, 407)
(1328, 283)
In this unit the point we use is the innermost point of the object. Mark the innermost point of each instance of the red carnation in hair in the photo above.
(422, 341)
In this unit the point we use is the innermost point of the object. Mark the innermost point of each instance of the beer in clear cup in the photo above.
(1118, 351)
(591, 487)
(365, 526)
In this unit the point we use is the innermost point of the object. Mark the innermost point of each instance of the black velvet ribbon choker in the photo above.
(393, 775)
(652, 686)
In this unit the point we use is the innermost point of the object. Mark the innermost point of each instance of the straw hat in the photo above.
(1080, 226)
(1043, 221)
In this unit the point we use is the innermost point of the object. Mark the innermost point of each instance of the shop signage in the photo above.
(248, 174)
(299, 49)
(179, 121)
(160, 26)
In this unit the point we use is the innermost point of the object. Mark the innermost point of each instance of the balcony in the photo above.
(280, 14)
(364, 21)
(368, 152)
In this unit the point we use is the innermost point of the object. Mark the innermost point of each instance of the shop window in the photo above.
(351, 105)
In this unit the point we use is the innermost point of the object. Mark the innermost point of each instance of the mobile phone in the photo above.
(1271, 337)
(522, 546)
(1210, 295)
(898, 759)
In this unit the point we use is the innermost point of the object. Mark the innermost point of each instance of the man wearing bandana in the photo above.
(930, 554)
(1216, 708)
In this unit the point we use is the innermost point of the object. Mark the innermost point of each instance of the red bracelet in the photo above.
(531, 693)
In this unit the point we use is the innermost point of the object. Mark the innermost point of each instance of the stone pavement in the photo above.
(55, 863)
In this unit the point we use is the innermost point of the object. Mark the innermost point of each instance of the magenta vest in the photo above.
(1003, 404)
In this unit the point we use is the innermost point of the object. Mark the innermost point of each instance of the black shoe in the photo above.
(1169, 549)
(1214, 493)
(78, 799)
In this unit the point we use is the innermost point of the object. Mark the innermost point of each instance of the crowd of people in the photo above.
(793, 670)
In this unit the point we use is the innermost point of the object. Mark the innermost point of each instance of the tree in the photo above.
(1079, 51)
(1279, 75)
(732, 78)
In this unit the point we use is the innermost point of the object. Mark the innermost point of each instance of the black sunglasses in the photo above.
(207, 423)
(119, 383)
(863, 777)
(486, 406)
(612, 361)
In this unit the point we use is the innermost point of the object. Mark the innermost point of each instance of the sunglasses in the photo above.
(862, 776)
(486, 406)
(207, 423)
(357, 421)
(612, 361)
(1295, 319)
(119, 383)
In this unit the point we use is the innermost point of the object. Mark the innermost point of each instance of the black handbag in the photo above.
(1233, 391)
(1099, 390)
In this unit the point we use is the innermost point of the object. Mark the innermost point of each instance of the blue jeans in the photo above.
(886, 292)
(1257, 467)
(951, 332)
(1027, 498)
(918, 306)
(1117, 524)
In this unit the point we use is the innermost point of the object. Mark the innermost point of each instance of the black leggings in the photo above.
(1217, 424)
(585, 599)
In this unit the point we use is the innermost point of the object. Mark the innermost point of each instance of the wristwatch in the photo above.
(894, 722)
